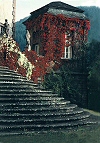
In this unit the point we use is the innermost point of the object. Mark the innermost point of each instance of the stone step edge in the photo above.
(19, 83)
(71, 124)
(18, 98)
(36, 103)
(58, 119)
(69, 111)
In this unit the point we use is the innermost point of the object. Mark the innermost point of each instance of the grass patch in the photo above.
(93, 112)
(82, 135)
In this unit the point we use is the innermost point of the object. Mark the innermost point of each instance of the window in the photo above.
(0, 30)
(68, 49)
(37, 49)
(68, 52)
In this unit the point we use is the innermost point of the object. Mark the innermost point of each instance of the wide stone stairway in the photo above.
(26, 108)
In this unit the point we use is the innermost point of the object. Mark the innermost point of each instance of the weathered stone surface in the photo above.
(24, 108)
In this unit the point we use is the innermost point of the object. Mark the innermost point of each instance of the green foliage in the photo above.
(93, 58)
(93, 50)
(63, 83)
(94, 85)
(82, 135)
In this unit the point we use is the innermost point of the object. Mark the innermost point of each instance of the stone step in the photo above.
(10, 74)
(25, 110)
(3, 67)
(43, 120)
(21, 83)
(9, 87)
(30, 99)
(7, 72)
(28, 114)
(18, 91)
(31, 104)
(23, 91)
(45, 127)
(42, 116)
(3, 76)
(6, 69)
(15, 80)
(12, 79)
(28, 95)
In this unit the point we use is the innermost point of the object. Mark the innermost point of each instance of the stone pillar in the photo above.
(13, 19)
(28, 40)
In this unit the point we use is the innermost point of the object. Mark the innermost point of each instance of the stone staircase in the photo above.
(26, 108)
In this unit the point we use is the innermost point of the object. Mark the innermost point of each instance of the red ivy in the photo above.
(52, 34)
(53, 30)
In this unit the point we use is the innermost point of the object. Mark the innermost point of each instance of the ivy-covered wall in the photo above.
(49, 30)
